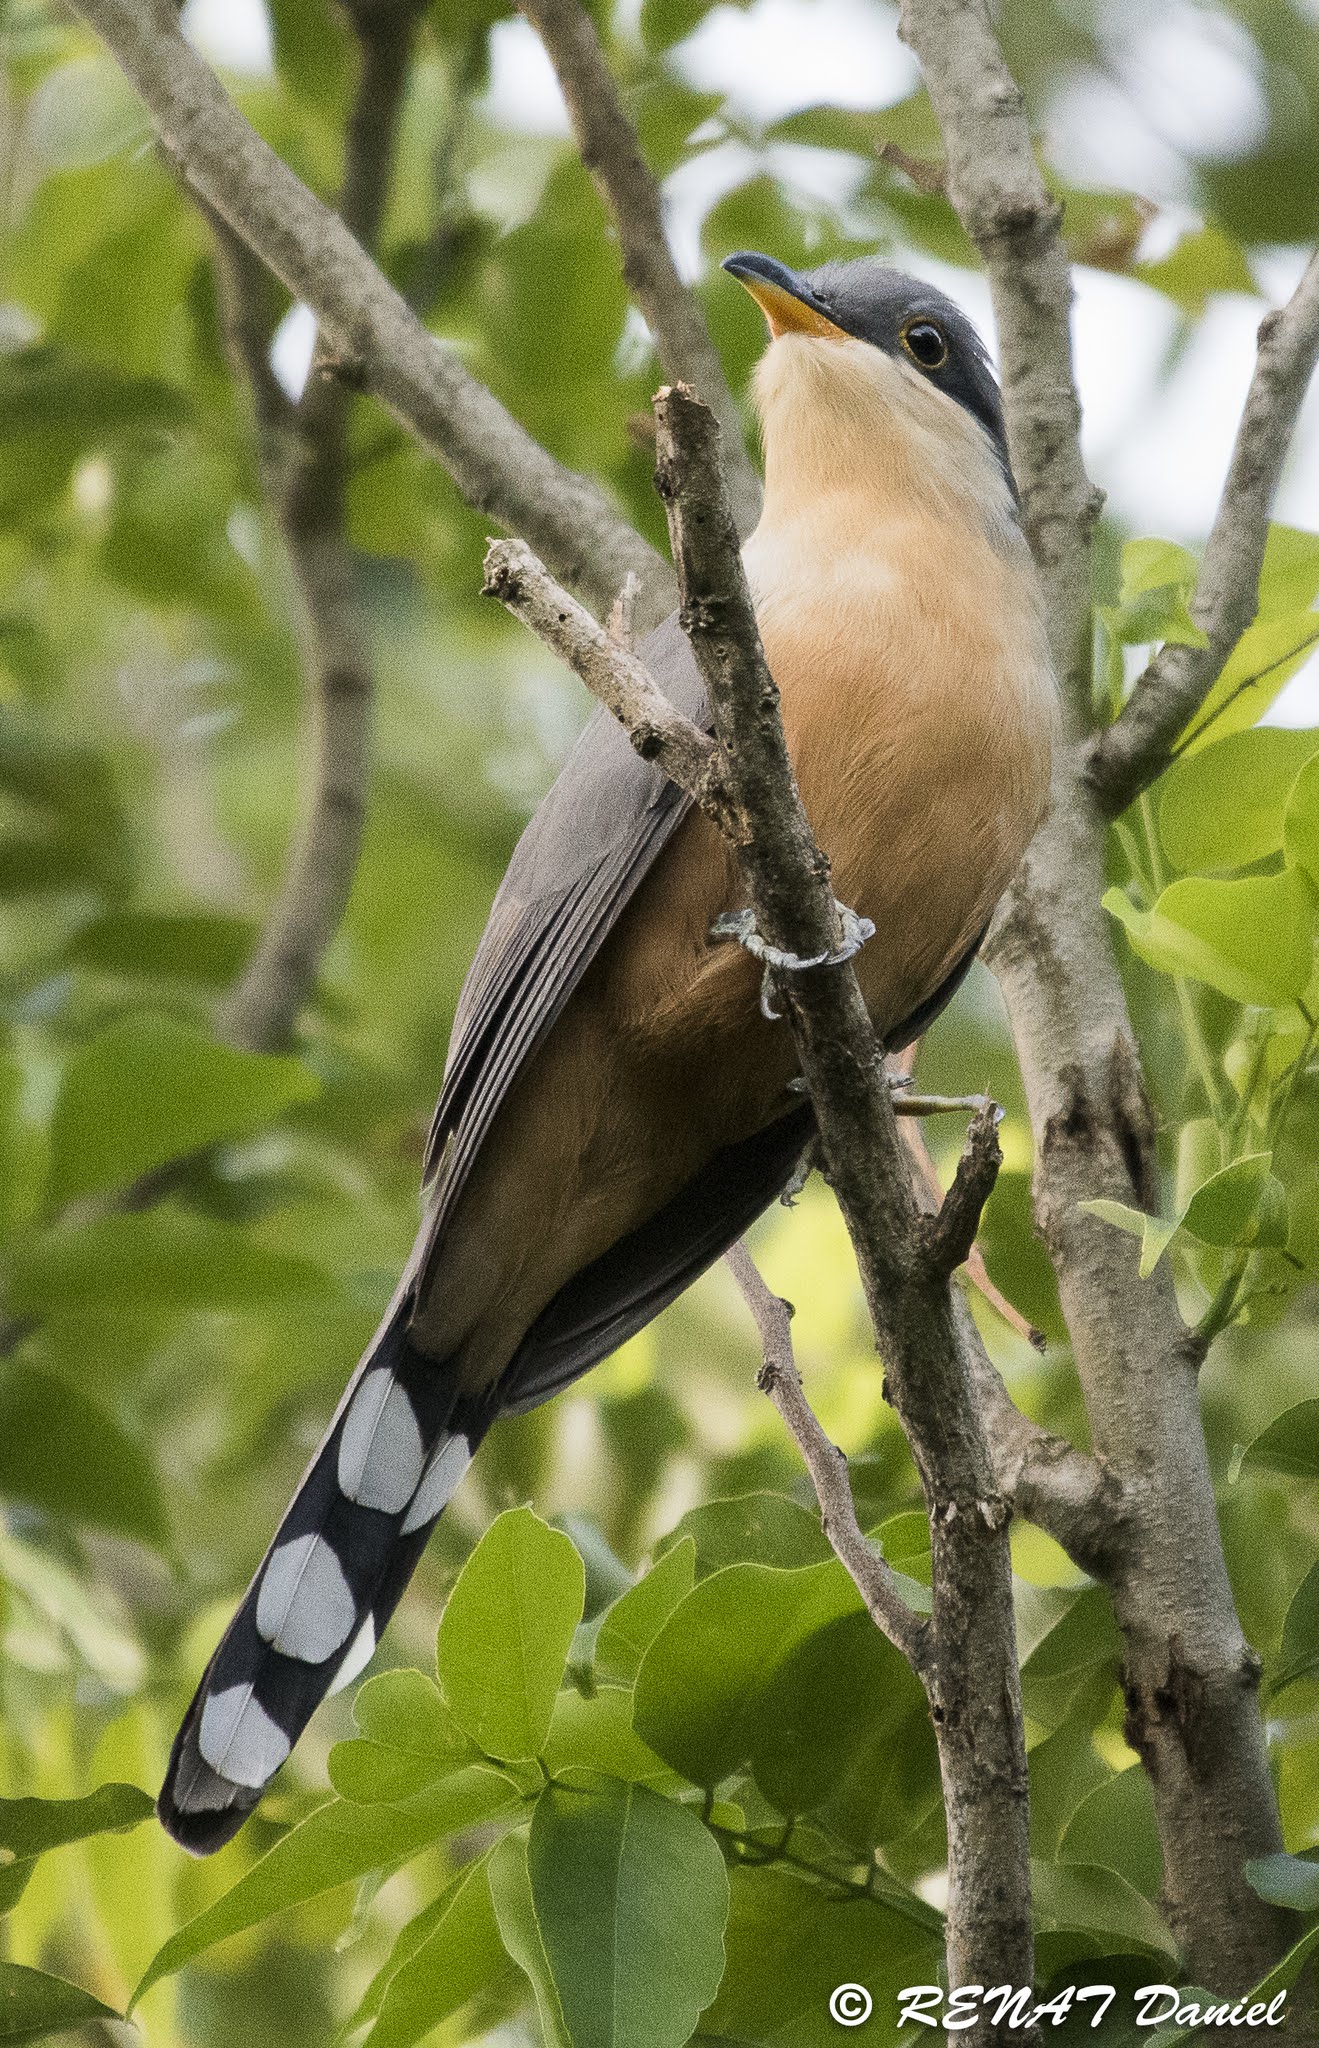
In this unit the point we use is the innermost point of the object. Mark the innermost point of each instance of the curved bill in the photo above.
(786, 300)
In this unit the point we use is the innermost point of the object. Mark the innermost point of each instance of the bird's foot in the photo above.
(741, 925)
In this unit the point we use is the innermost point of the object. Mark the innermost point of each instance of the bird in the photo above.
(617, 1107)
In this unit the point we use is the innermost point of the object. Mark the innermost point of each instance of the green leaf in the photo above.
(34, 2006)
(596, 1734)
(702, 1681)
(406, 1710)
(410, 1740)
(149, 1090)
(1224, 806)
(1155, 1232)
(1266, 656)
(63, 1605)
(1064, 1769)
(1158, 1235)
(1241, 1204)
(82, 112)
(161, 1258)
(1159, 612)
(1133, 1221)
(190, 946)
(1289, 1444)
(1291, 1881)
(630, 1895)
(28, 1827)
(520, 1930)
(369, 1772)
(458, 1954)
(607, 1577)
(843, 1733)
(52, 404)
(751, 1528)
(791, 1944)
(1152, 564)
(61, 1451)
(1088, 1899)
(337, 1843)
(1251, 938)
(1300, 1632)
(632, 1623)
(1082, 1644)
(1115, 1826)
(506, 1633)
(1301, 822)
(1222, 1210)
(1289, 580)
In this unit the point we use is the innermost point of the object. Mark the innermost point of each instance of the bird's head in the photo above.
(867, 364)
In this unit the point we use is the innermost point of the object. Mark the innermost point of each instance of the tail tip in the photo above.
(199, 1807)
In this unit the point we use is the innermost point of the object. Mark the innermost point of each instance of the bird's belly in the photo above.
(924, 781)
(921, 741)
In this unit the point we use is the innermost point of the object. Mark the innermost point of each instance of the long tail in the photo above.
(350, 1541)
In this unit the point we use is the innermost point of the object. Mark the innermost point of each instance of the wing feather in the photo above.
(585, 852)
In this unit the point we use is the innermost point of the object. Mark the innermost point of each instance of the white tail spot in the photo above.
(304, 1608)
(238, 1738)
(446, 1468)
(380, 1450)
(360, 1653)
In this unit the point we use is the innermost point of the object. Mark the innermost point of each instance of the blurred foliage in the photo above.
(702, 1679)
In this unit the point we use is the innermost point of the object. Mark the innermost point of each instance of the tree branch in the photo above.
(874, 1579)
(929, 1185)
(1052, 951)
(970, 1671)
(951, 1231)
(499, 468)
(994, 182)
(1126, 758)
(612, 154)
(304, 461)
(1047, 1480)
(613, 674)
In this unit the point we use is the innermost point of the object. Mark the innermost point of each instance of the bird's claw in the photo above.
(741, 925)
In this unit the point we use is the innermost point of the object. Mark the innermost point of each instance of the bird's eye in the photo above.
(925, 343)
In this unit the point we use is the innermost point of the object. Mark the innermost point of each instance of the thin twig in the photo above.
(304, 460)
(1139, 745)
(620, 625)
(927, 174)
(500, 469)
(951, 1231)
(612, 154)
(611, 673)
(977, 1273)
(874, 1579)
(431, 261)
(1065, 1492)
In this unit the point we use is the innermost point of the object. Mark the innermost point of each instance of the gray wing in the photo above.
(584, 853)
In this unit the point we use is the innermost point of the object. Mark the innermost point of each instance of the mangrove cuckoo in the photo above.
(616, 1108)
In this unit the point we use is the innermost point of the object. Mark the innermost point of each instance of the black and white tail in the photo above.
(397, 1447)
